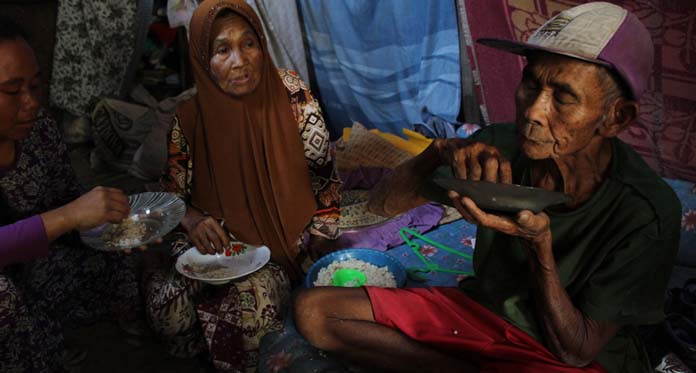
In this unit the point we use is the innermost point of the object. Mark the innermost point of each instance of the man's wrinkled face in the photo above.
(20, 89)
(236, 57)
(559, 106)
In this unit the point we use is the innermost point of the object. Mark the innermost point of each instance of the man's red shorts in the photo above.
(449, 320)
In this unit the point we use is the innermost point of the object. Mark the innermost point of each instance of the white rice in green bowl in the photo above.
(375, 276)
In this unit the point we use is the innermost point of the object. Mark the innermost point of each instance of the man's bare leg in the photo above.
(340, 320)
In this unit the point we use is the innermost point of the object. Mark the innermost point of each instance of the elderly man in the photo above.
(558, 291)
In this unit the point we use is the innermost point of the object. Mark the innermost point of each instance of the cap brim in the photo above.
(521, 48)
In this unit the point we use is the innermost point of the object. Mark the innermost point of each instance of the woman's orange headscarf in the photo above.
(248, 158)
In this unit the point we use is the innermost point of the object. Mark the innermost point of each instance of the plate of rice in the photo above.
(221, 268)
(380, 269)
(152, 216)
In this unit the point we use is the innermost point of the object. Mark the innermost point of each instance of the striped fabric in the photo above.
(387, 64)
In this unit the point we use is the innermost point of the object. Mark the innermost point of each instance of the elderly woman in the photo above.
(49, 281)
(250, 149)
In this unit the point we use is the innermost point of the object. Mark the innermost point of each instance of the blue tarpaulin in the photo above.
(387, 64)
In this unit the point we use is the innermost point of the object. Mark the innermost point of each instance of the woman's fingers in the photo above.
(209, 237)
(117, 196)
(198, 244)
(115, 216)
(118, 206)
(217, 236)
(223, 237)
(110, 203)
(199, 238)
(210, 242)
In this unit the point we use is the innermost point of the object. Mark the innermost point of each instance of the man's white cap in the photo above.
(597, 32)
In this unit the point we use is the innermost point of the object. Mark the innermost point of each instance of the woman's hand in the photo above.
(205, 232)
(98, 206)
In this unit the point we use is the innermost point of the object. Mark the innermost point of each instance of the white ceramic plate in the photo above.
(221, 269)
(155, 214)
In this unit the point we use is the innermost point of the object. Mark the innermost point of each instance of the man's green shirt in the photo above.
(614, 254)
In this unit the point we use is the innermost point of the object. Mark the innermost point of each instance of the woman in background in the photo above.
(250, 149)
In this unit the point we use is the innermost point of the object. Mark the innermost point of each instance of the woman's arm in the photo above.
(29, 238)
(326, 185)
(23, 241)
(325, 181)
(98, 206)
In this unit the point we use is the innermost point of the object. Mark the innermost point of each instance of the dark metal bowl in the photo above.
(504, 197)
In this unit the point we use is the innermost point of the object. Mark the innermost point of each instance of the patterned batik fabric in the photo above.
(95, 42)
(235, 318)
(228, 321)
(61, 291)
(171, 308)
(31, 341)
(42, 177)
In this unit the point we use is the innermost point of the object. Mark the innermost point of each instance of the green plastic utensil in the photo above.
(417, 273)
(349, 277)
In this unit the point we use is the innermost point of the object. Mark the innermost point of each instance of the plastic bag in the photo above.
(132, 137)
(151, 157)
(179, 12)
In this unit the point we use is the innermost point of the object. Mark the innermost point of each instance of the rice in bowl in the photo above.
(128, 232)
(375, 276)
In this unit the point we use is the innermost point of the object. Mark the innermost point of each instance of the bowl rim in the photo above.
(326, 259)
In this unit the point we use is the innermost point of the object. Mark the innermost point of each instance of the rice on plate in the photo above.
(210, 271)
(375, 276)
